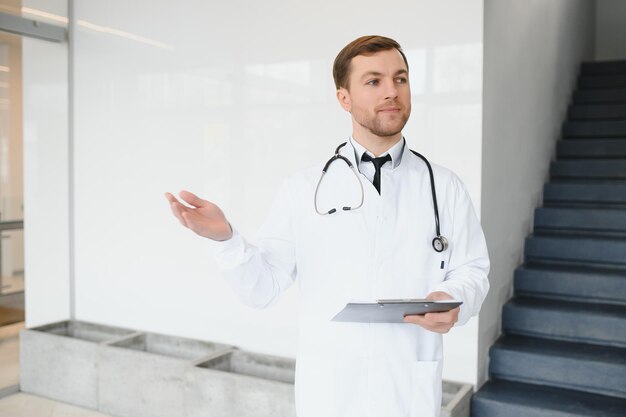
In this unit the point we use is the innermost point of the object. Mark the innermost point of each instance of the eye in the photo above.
(372, 82)
(401, 80)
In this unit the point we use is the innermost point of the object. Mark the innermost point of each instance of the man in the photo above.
(382, 249)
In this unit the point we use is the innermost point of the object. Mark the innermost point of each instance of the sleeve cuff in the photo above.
(464, 314)
(223, 247)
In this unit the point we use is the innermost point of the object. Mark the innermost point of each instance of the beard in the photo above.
(383, 125)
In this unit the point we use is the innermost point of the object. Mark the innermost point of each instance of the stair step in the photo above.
(595, 221)
(576, 250)
(596, 323)
(602, 81)
(585, 284)
(578, 366)
(591, 148)
(595, 129)
(589, 168)
(498, 398)
(600, 194)
(598, 111)
(603, 67)
(605, 95)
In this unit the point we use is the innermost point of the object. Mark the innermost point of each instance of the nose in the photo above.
(391, 90)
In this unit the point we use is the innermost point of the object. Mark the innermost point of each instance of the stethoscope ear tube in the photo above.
(356, 175)
(439, 243)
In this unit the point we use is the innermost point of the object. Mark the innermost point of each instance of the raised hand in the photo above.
(436, 322)
(203, 217)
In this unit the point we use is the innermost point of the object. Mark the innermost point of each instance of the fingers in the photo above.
(421, 321)
(177, 208)
(192, 199)
(428, 325)
(179, 211)
(435, 322)
(184, 214)
(444, 317)
(415, 319)
(429, 319)
(170, 197)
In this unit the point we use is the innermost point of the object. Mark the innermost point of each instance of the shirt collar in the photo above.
(395, 152)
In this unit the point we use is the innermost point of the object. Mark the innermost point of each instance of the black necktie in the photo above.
(378, 162)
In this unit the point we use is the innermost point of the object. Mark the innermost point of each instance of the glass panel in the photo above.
(12, 261)
(11, 180)
(11, 166)
(13, 7)
(33, 111)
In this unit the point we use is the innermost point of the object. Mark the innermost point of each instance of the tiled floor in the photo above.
(26, 405)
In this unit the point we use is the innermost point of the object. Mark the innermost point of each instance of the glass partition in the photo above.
(13, 7)
(11, 169)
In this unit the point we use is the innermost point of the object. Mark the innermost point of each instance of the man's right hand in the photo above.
(203, 217)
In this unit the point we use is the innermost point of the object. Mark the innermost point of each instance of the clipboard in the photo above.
(392, 311)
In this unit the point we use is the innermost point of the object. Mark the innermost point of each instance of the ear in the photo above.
(343, 96)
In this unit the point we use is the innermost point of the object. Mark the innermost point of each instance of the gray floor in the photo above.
(26, 405)
(9, 355)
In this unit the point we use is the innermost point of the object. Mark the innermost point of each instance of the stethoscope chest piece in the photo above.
(440, 244)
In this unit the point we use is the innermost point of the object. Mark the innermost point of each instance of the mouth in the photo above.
(389, 109)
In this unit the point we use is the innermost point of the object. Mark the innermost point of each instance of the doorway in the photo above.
(18, 33)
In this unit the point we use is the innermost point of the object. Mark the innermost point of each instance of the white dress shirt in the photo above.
(367, 168)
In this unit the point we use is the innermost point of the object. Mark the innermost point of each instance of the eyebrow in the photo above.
(378, 74)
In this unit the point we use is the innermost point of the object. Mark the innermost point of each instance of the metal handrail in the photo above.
(11, 225)
(33, 28)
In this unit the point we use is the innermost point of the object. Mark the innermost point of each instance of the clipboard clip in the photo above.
(403, 300)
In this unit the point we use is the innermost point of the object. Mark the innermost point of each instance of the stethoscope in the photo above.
(439, 243)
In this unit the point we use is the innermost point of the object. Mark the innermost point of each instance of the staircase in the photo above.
(563, 348)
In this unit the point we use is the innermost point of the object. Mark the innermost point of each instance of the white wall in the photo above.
(46, 204)
(610, 42)
(532, 55)
(200, 96)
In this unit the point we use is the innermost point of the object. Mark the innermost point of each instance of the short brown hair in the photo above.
(365, 45)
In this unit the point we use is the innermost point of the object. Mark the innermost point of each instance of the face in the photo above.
(379, 95)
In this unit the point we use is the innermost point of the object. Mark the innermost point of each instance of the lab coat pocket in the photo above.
(426, 389)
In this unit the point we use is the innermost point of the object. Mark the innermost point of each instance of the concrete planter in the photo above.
(143, 375)
(456, 399)
(132, 374)
(58, 360)
(241, 384)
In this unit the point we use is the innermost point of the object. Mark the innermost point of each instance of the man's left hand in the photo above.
(436, 322)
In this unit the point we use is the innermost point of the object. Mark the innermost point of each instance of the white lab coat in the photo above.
(382, 250)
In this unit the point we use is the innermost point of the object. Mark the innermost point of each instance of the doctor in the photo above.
(380, 249)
